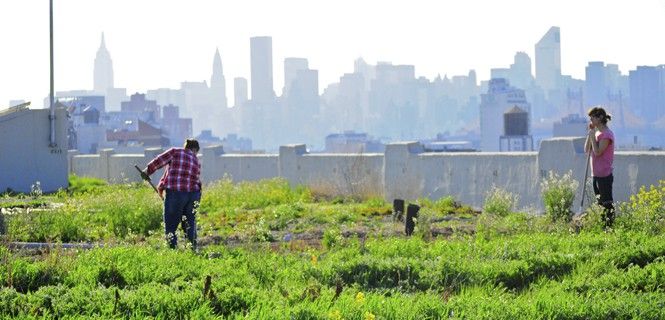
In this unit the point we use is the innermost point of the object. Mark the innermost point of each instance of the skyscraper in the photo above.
(304, 94)
(218, 83)
(521, 71)
(595, 89)
(239, 91)
(261, 65)
(103, 72)
(291, 68)
(548, 60)
(366, 70)
(647, 91)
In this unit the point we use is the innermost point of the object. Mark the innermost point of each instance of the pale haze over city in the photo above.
(161, 44)
(157, 44)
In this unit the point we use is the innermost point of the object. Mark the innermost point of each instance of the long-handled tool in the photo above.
(149, 181)
(586, 175)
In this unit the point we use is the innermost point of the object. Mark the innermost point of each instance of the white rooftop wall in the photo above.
(405, 171)
(341, 174)
(25, 155)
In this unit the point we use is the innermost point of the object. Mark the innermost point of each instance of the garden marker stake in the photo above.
(149, 181)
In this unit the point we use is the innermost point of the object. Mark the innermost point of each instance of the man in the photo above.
(183, 189)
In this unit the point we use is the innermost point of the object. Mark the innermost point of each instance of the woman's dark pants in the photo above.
(602, 187)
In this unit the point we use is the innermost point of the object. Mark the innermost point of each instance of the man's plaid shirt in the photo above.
(182, 173)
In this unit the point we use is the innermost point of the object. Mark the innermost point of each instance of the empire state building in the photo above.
(103, 72)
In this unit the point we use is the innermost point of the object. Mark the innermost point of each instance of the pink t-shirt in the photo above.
(602, 165)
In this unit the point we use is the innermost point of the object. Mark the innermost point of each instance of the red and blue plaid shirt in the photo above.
(182, 173)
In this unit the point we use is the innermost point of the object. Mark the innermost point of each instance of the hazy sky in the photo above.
(160, 43)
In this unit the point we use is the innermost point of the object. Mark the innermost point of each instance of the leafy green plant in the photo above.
(558, 192)
(223, 195)
(331, 237)
(424, 223)
(499, 201)
(645, 210)
(446, 205)
(260, 232)
(36, 190)
(592, 219)
(284, 214)
(374, 206)
(114, 212)
(110, 276)
(81, 185)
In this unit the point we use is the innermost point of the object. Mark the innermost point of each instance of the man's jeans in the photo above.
(179, 207)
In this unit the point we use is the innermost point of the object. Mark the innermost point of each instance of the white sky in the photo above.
(160, 43)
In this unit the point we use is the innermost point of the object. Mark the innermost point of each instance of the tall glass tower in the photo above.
(548, 60)
(261, 65)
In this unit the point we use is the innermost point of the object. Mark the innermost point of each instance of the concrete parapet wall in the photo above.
(637, 169)
(403, 176)
(562, 155)
(333, 174)
(404, 171)
(87, 165)
(250, 167)
(121, 168)
(469, 176)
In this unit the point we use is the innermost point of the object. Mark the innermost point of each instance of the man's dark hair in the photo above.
(192, 144)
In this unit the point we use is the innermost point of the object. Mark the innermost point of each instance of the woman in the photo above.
(600, 143)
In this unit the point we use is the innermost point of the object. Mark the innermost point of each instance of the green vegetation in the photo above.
(114, 212)
(499, 202)
(81, 185)
(290, 256)
(558, 195)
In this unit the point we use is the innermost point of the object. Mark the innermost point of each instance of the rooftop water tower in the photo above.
(516, 131)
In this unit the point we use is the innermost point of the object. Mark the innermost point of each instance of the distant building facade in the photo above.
(647, 92)
(261, 69)
(218, 83)
(177, 129)
(500, 97)
(103, 72)
(291, 68)
(239, 92)
(548, 60)
(233, 143)
(85, 132)
(146, 135)
(352, 142)
(572, 125)
(147, 110)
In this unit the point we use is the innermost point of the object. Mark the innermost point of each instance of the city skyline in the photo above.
(173, 44)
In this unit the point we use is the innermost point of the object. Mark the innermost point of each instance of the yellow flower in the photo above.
(335, 315)
(369, 316)
(315, 260)
(360, 297)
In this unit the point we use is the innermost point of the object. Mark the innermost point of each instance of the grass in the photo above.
(506, 277)
(509, 265)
